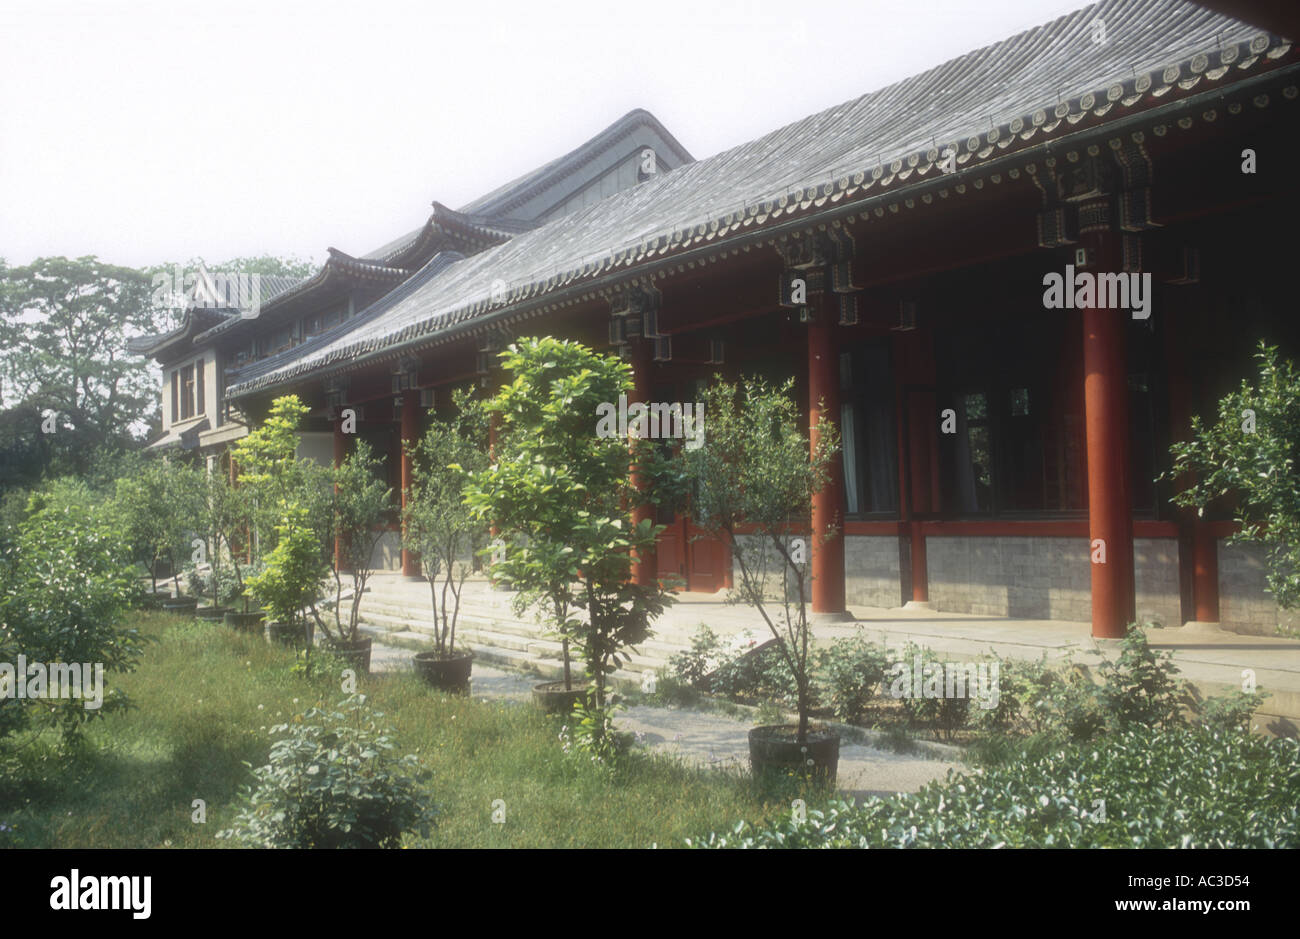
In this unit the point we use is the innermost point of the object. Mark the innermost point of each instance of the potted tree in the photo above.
(290, 585)
(282, 495)
(445, 532)
(217, 506)
(160, 506)
(360, 500)
(562, 494)
(753, 484)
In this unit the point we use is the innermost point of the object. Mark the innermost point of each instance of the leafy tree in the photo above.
(757, 472)
(560, 495)
(361, 501)
(66, 323)
(438, 524)
(1251, 453)
(161, 509)
(64, 585)
(276, 477)
(290, 584)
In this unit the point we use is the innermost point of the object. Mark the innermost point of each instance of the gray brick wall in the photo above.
(1026, 577)
(1244, 606)
(871, 571)
(1159, 593)
(1033, 578)
(767, 565)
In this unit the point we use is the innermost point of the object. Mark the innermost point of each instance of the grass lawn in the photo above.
(205, 698)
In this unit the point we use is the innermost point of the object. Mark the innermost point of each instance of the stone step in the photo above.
(539, 647)
(425, 616)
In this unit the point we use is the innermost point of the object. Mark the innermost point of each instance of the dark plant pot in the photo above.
(286, 634)
(445, 672)
(245, 622)
(180, 605)
(553, 698)
(212, 613)
(356, 654)
(775, 747)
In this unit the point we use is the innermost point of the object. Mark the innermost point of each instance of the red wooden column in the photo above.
(915, 416)
(1198, 547)
(410, 434)
(645, 570)
(1110, 516)
(340, 454)
(1205, 572)
(828, 504)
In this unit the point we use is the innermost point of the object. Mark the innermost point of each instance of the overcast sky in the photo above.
(156, 131)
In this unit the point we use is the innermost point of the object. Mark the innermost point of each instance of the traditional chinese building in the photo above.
(891, 254)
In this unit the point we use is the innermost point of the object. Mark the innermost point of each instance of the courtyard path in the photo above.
(706, 738)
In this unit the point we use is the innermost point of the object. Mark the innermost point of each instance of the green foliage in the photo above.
(162, 509)
(690, 666)
(361, 500)
(64, 324)
(205, 699)
(64, 586)
(944, 715)
(439, 524)
(1258, 468)
(758, 470)
(1139, 687)
(332, 783)
(1179, 788)
(291, 581)
(560, 495)
(852, 671)
(1231, 712)
(275, 478)
(594, 736)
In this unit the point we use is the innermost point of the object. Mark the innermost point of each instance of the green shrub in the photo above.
(1021, 684)
(943, 715)
(331, 783)
(736, 668)
(851, 671)
(762, 674)
(1140, 788)
(65, 584)
(1231, 712)
(691, 666)
(1140, 688)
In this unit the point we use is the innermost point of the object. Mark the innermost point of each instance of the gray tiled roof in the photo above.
(435, 266)
(491, 211)
(337, 262)
(979, 103)
(503, 198)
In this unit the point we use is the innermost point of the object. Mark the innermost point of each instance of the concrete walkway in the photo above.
(705, 738)
(1213, 659)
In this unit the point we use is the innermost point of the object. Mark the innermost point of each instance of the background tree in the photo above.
(1250, 454)
(274, 477)
(65, 326)
(757, 472)
(437, 522)
(561, 496)
(64, 585)
(360, 502)
(161, 509)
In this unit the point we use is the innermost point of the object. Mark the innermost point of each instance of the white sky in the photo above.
(158, 130)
